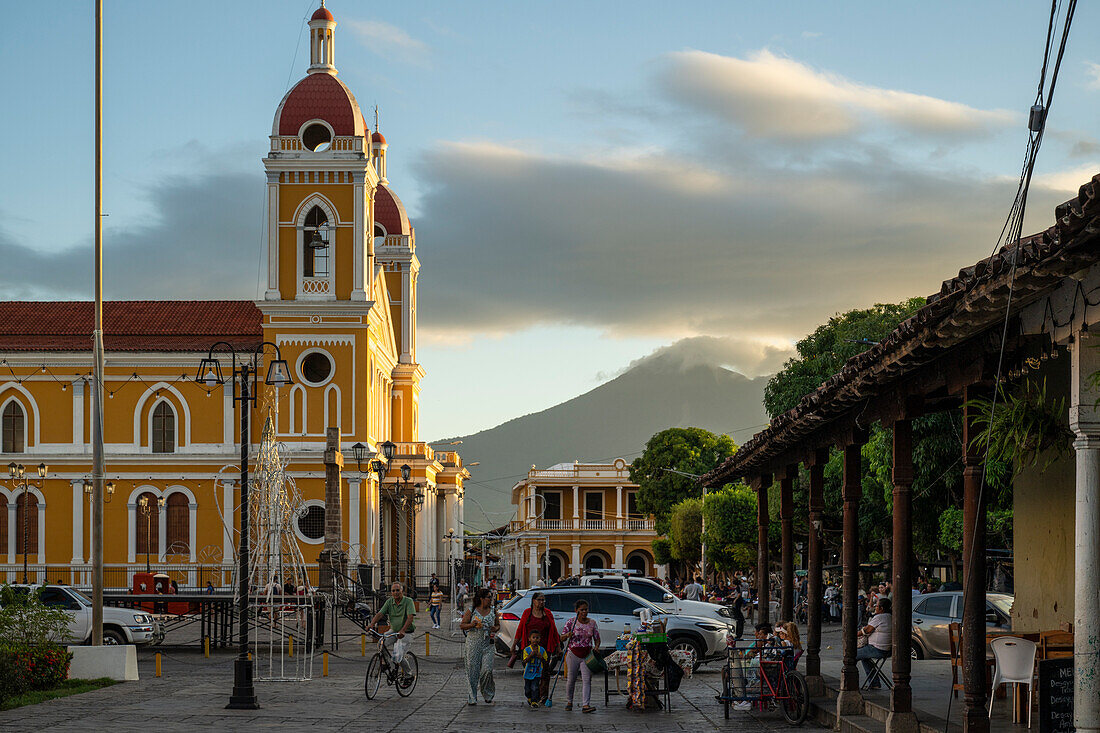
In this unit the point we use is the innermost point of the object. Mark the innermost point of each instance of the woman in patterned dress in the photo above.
(480, 623)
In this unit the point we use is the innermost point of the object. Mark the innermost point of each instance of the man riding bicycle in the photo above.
(399, 612)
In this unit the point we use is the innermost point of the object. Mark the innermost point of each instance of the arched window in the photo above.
(315, 241)
(177, 540)
(26, 523)
(13, 428)
(164, 428)
(148, 524)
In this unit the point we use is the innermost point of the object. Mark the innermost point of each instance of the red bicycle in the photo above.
(765, 683)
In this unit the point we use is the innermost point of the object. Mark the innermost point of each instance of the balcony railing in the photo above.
(590, 525)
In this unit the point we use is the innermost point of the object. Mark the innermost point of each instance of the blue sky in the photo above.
(590, 181)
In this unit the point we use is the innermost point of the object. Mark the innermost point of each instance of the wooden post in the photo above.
(901, 718)
(786, 517)
(850, 700)
(975, 717)
(814, 681)
(763, 589)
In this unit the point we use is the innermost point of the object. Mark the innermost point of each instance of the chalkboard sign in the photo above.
(1056, 696)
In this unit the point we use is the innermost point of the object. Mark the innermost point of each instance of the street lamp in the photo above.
(147, 509)
(16, 472)
(244, 373)
(110, 490)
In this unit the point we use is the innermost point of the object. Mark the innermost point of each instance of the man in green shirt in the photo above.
(399, 612)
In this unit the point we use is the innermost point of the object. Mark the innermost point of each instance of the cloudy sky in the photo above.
(589, 181)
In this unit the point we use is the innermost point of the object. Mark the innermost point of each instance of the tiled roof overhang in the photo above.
(966, 307)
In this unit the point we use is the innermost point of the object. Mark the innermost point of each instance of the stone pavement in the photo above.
(193, 691)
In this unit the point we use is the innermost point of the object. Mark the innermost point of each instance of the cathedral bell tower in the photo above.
(321, 181)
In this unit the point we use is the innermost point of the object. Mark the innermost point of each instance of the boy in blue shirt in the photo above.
(534, 657)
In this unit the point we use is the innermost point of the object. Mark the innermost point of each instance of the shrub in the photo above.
(27, 668)
(26, 621)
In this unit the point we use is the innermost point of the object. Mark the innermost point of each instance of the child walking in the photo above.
(535, 658)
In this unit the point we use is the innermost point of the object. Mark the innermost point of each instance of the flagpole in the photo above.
(98, 463)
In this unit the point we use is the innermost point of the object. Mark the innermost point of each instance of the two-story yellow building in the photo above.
(341, 306)
(577, 517)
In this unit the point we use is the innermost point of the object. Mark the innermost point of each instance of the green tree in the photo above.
(689, 450)
(686, 531)
(662, 550)
(731, 532)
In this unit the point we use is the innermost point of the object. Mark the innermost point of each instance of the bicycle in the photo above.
(778, 684)
(403, 676)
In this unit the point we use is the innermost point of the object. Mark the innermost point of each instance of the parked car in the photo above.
(659, 596)
(615, 610)
(934, 612)
(120, 625)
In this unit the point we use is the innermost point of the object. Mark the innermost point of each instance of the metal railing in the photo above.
(634, 524)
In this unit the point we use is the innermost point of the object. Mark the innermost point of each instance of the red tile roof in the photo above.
(322, 13)
(130, 325)
(324, 97)
(378, 137)
(390, 212)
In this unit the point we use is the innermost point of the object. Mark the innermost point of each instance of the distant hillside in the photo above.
(613, 420)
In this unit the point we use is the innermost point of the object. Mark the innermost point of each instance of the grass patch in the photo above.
(68, 687)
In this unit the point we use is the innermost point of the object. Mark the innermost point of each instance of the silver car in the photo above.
(934, 612)
(615, 611)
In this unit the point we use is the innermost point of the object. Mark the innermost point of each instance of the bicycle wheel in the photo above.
(797, 705)
(406, 677)
(374, 677)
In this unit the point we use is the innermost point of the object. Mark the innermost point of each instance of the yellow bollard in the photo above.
(324, 664)
(158, 664)
(250, 656)
(206, 646)
(362, 645)
(427, 646)
(291, 639)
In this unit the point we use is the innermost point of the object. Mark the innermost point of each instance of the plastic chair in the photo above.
(1015, 663)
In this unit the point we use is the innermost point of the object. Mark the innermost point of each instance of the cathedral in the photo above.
(339, 307)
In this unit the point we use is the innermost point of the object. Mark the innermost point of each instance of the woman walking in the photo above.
(480, 623)
(538, 618)
(582, 636)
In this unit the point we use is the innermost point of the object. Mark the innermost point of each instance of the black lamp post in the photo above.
(146, 508)
(17, 474)
(244, 374)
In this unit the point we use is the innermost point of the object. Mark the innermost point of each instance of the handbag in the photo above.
(595, 662)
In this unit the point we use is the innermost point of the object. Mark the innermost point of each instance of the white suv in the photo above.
(120, 625)
(659, 596)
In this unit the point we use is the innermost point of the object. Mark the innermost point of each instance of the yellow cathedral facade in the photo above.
(340, 303)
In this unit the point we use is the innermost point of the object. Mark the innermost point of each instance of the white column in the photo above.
(576, 511)
(1084, 419)
(618, 556)
(131, 532)
(162, 531)
(533, 568)
(78, 414)
(42, 533)
(78, 520)
(359, 238)
(576, 565)
(228, 504)
(272, 292)
(192, 532)
(618, 507)
(229, 435)
(12, 532)
(354, 486)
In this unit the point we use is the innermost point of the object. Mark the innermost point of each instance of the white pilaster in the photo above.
(78, 415)
(618, 556)
(42, 532)
(354, 487)
(618, 507)
(272, 292)
(576, 512)
(192, 532)
(78, 520)
(359, 238)
(162, 531)
(1084, 419)
(406, 313)
(228, 504)
(131, 532)
(576, 564)
(228, 432)
(533, 567)
(12, 531)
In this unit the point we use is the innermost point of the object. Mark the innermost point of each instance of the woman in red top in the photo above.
(538, 618)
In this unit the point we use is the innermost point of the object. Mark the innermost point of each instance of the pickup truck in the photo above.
(120, 625)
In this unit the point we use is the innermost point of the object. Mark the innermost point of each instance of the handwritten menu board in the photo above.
(1056, 696)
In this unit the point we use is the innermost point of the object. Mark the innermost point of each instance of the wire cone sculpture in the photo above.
(282, 599)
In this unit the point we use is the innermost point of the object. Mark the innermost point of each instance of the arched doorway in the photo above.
(596, 560)
(639, 560)
(556, 565)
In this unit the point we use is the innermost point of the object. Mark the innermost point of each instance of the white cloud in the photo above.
(1092, 70)
(1069, 180)
(771, 96)
(389, 41)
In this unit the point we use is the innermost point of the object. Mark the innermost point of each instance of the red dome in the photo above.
(390, 212)
(378, 137)
(319, 96)
(322, 13)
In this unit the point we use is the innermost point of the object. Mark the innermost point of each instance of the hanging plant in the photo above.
(1026, 425)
